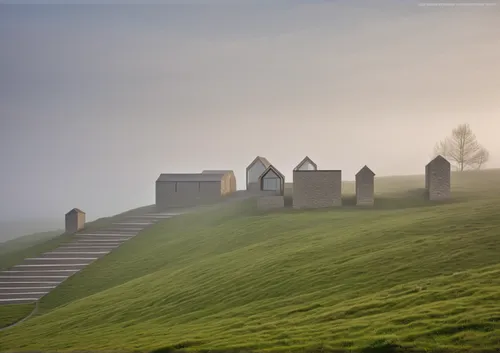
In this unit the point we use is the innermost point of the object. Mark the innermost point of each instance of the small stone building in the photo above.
(306, 164)
(271, 181)
(188, 190)
(317, 188)
(74, 221)
(365, 187)
(254, 171)
(438, 179)
(228, 180)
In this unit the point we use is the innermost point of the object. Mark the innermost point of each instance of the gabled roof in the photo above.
(306, 159)
(223, 172)
(263, 160)
(75, 210)
(365, 170)
(438, 159)
(271, 168)
(197, 177)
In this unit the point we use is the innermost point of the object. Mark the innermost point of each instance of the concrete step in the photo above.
(32, 279)
(113, 230)
(20, 283)
(26, 273)
(19, 300)
(58, 261)
(13, 290)
(51, 267)
(87, 248)
(99, 241)
(70, 256)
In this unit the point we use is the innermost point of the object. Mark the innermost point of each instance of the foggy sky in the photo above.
(97, 101)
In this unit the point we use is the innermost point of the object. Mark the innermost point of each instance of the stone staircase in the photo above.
(35, 277)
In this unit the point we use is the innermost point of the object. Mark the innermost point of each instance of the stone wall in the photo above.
(317, 188)
(270, 202)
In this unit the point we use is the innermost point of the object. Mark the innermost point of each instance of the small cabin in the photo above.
(438, 179)
(272, 181)
(306, 164)
(365, 187)
(228, 180)
(74, 221)
(254, 171)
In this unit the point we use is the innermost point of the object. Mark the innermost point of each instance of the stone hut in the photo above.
(438, 179)
(365, 187)
(74, 220)
(317, 188)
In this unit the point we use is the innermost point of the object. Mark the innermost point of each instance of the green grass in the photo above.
(10, 314)
(407, 273)
(15, 251)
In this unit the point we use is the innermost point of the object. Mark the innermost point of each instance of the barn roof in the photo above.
(223, 172)
(438, 159)
(197, 177)
(263, 160)
(271, 168)
(364, 170)
(75, 210)
(306, 159)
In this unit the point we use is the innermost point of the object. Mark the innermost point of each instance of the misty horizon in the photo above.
(97, 101)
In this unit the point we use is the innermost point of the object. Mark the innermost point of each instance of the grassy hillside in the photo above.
(10, 314)
(15, 251)
(407, 273)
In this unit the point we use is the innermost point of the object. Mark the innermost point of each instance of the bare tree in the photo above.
(462, 149)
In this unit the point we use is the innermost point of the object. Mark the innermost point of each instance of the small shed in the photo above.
(254, 171)
(188, 190)
(74, 220)
(365, 187)
(228, 179)
(306, 164)
(438, 179)
(272, 181)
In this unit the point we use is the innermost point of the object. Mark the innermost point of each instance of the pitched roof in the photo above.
(75, 210)
(365, 169)
(263, 160)
(197, 177)
(268, 169)
(306, 159)
(223, 172)
(438, 158)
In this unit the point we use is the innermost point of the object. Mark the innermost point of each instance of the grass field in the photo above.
(10, 314)
(407, 273)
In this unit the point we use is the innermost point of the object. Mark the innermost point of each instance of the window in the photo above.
(175, 187)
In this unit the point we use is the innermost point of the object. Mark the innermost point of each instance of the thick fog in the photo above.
(97, 101)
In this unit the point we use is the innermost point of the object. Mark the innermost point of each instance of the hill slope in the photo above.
(408, 273)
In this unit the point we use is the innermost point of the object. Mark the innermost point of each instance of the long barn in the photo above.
(187, 190)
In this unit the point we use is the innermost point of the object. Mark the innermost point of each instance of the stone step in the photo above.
(26, 273)
(14, 289)
(58, 261)
(32, 279)
(52, 267)
(70, 256)
(87, 248)
(122, 231)
(20, 283)
(18, 300)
